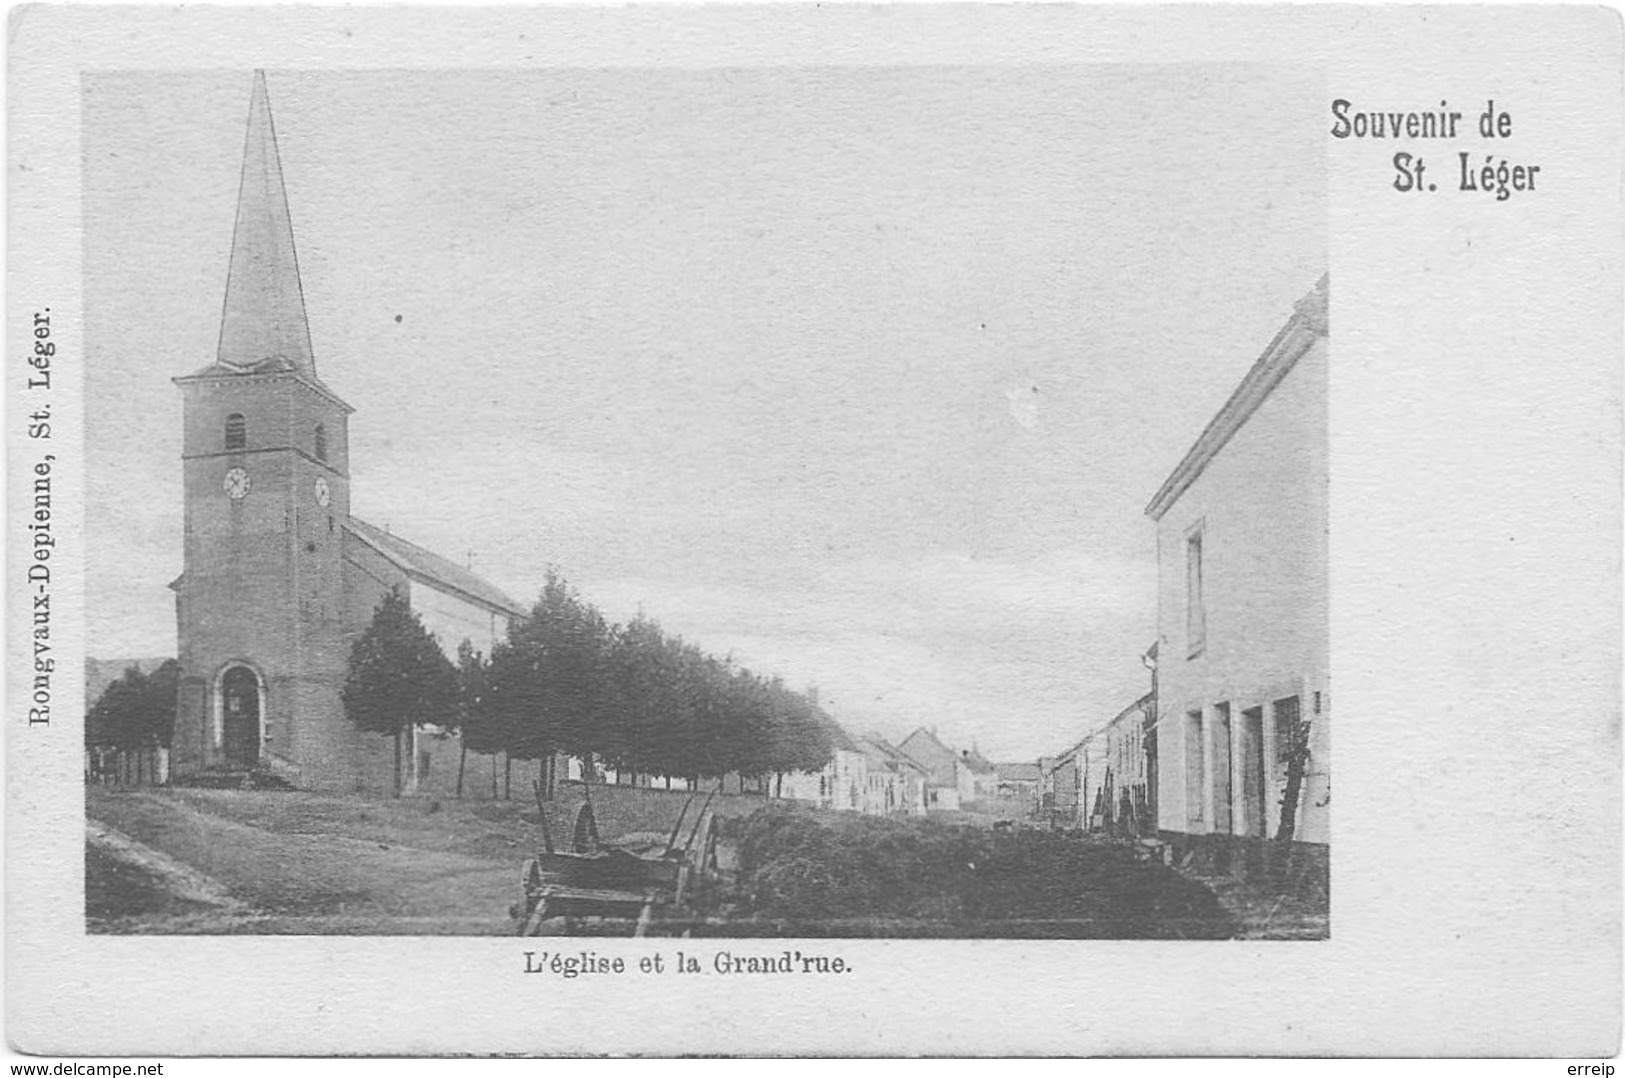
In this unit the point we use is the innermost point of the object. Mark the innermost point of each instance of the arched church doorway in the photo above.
(240, 713)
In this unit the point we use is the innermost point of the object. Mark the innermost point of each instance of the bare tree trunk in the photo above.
(462, 762)
(1297, 762)
(397, 761)
(493, 776)
(507, 777)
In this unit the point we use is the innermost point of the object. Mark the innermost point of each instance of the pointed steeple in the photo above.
(264, 315)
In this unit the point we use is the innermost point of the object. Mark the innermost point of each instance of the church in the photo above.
(279, 579)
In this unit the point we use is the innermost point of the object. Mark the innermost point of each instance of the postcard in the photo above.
(814, 530)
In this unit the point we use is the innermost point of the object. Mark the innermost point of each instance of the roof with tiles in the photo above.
(426, 565)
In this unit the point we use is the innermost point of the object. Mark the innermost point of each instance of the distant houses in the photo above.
(1105, 779)
(896, 783)
(978, 778)
(941, 765)
(865, 774)
(1018, 781)
(869, 774)
(956, 778)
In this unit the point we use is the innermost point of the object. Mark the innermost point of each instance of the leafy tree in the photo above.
(549, 680)
(473, 716)
(690, 722)
(113, 715)
(648, 709)
(511, 716)
(632, 697)
(805, 740)
(740, 713)
(158, 716)
(398, 678)
(630, 710)
(137, 711)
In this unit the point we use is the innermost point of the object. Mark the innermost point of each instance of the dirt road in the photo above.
(199, 861)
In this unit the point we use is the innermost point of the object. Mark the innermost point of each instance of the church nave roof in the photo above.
(426, 565)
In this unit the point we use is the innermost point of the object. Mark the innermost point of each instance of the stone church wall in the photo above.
(453, 619)
(368, 577)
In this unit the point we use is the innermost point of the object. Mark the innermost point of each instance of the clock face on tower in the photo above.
(236, 484)
(323, 495)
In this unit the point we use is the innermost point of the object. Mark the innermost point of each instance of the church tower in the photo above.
(260, 604)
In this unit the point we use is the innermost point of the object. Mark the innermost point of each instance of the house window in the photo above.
(1195, 609)
(321, 442)
(236, 431)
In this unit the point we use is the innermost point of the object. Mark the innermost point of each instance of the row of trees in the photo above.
(567, 681)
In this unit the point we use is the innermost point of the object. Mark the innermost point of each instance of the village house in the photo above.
(943, 768)
(1063, 804)
(978, 778)
(806, 787)
(864, 774)
(1084, 785)
(1113, 772)
(1242, 676)
(1057, 789)
(897, 784)
(842, 784)
(1017, 781)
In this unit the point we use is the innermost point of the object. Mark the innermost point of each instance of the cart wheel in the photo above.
(586, 832)
(530, 877)
(530, 882)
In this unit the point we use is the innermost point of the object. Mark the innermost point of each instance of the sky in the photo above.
(863, 376)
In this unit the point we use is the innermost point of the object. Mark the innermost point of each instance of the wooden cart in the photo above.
(639, 882)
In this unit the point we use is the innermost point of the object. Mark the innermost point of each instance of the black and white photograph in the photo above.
(777, 503)
(813, 530)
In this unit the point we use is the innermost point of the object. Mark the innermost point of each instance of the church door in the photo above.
(240, 698)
